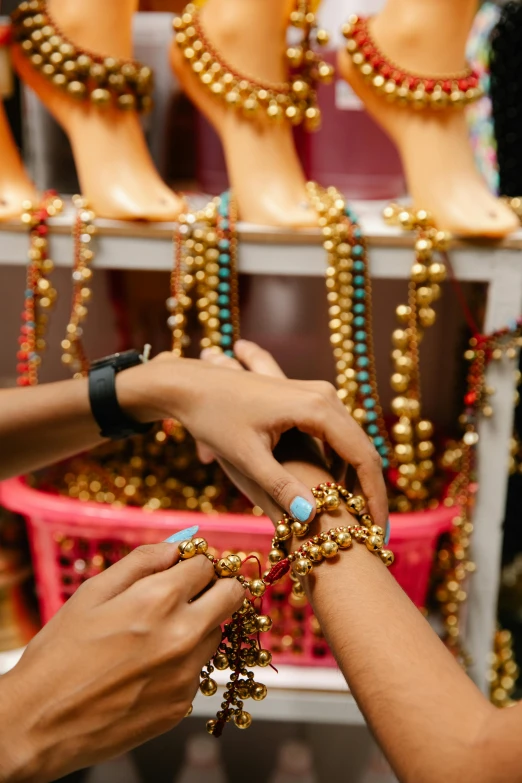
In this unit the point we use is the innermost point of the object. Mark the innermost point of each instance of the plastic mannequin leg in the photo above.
(115, 169)
(15, 185)
(429, 37)
(263, 166)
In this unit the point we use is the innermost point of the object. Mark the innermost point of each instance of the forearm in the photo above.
(44, 424)
(425, 712)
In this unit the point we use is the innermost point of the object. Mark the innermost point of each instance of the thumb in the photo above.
(141, 562)
(288, 492)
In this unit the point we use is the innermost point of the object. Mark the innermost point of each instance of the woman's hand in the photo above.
(255, 359)
(241, 417)
(118, 665)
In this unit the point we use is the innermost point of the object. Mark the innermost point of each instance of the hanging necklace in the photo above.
(40, 295)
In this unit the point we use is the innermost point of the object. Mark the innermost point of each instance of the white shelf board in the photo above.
(296, 694)
(262, 250)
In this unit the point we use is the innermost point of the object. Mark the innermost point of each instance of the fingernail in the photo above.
(387, 533)
(183, 535)
(206, 353)
(301, 509)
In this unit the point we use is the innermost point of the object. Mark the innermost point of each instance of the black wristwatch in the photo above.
(113, 422)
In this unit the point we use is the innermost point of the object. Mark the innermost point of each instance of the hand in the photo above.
(241, 416)
(363, 456)
(116, 666)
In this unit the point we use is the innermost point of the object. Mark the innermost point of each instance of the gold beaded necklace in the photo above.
(295, 100)
(84, 75)
(74, 355)
(412, 434)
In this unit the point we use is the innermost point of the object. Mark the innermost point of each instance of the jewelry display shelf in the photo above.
(267, 251)
(325, 697)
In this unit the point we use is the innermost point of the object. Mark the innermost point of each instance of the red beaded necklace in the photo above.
(39, 293)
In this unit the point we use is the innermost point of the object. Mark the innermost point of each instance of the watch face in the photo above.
(120, 361)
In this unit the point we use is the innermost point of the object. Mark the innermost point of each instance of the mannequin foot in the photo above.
(264, 170)
(115, 170)
(434, 144)
(15, 185)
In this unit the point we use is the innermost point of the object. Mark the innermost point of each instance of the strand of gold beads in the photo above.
(504, 670)
(412, 434)
(74, 356)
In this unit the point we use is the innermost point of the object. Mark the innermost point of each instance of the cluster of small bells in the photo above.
(84, 229)
(40, 295)
(105, 81)
(399, 85)
(240, 649)
(413, 434)
(151, 472)
(295, 101)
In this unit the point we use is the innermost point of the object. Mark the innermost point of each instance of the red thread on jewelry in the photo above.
(277, 571)
(253, 557)
(468, 315)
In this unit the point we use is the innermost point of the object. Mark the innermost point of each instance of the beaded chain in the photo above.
(414, 449)
(453, 563)
(240, 648)
(74, 355)
(206, 260)
(40, 295)
(84, 75)
(349, 296)
(406, 88)
(294, 101)
(504, 670)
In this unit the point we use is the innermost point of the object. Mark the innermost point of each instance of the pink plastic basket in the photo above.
(72, 541)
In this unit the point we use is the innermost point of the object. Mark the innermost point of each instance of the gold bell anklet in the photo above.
(81, 74)
(294, 100)
(240, 649)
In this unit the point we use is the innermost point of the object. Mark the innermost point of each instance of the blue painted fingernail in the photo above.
(183, 535)
(387, 533)
(301, 509)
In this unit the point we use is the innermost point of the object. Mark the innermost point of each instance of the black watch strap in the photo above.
(113, 422)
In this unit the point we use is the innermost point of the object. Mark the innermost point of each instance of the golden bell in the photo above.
(343, 540)
(201, 545)
(100, 97)
(374, 543)
(332, 501)
(225, 568)
(243, 720)
(387, 557)
(283, 532)
(303, 566)
(208, 687)
(276, 555)
(211, 725)
(259, 691)
(263, 623)
(314, 553)
(257, 588)
(187, 549)
(264, 658)
(355, 505)
(221, 661)
(329, 549)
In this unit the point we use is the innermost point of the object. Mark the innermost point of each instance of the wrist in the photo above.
(19, 754)
(152, 391)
